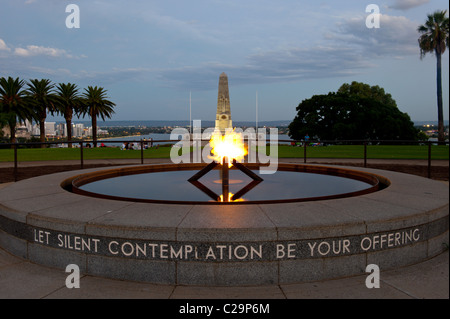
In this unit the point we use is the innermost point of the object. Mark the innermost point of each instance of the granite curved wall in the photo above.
(225, 245)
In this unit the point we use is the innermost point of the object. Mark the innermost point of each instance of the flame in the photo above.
(230, 145)
(229, 198)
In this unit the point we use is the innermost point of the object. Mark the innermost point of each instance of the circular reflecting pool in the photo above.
(288, 183)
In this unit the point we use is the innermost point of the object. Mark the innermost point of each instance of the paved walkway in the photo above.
(22, 279)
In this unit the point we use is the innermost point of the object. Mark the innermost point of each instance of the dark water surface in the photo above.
(175, 187)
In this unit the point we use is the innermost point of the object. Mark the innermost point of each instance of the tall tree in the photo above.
(96, 104)
(363, 90)
(435, 39)
(354, 112)
(14, 105)
(68, 103)
(42, 100)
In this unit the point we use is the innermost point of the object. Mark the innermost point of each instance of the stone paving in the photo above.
(22, 279)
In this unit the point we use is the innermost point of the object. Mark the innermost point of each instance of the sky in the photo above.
(161, 60)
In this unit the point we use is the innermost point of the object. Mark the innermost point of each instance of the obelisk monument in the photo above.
(223, 116)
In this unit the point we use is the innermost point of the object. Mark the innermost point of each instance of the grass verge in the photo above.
(334, 151)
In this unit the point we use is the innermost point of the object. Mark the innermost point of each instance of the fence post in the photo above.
(15, 162)
(81, 155)
(429, 159)
(304, 151)
(142, 151)
(365, 154)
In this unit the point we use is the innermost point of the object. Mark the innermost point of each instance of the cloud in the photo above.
(276, 66)
(35, 50)
(396, 37)
(189, 29)
(114, 75)
(407, 4)
(3, 46)
(348, 50)
(58, 72)
(85, 76)
(306, 63)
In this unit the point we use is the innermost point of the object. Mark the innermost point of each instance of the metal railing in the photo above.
(305, 144)
(365, 143)
(82, 145)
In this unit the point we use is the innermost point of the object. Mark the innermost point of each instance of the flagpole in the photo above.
(190, 113)
(256, 117)
(256, 111)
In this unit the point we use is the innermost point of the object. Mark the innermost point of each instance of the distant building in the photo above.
(77, 130)
(22, 131)
(29, 126)
(35, 130)
(50, 129)
(88, 131)
(102, 132)
(61, 130)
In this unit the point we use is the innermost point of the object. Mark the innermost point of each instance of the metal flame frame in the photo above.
(225, 180)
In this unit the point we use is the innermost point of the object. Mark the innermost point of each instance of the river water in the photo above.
(166, 137)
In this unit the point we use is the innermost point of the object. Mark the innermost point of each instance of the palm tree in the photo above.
(14, 104)
(68, 102)
(434, 38)
(42, 99)
(97, 104)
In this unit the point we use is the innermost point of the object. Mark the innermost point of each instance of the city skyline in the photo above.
(152, 57)
(28, 129)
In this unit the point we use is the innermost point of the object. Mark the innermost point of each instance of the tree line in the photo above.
(33, 100)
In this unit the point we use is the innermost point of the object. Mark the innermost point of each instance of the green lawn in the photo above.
(335, 151)
(373, 151)
(53, 154)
